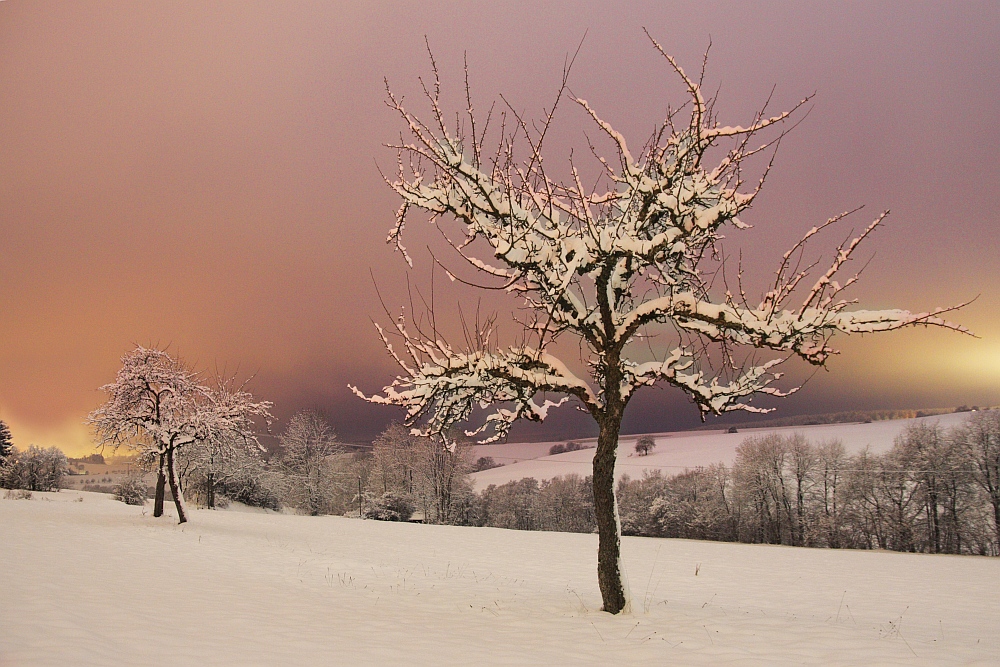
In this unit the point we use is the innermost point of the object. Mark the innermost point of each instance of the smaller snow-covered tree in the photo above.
(157, 405)
(6, 441)
(227, 457)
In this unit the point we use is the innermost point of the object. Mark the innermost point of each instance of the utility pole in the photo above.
(360, 514)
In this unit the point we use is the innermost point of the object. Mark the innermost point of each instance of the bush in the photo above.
(485, 463)
(19, 494)
(390, 506)
(249, 490)
(570, 446)
(131, 491)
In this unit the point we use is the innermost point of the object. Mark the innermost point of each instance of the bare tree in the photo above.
(157, 405)
(980, 435)
(396, 458)
(429, 469)
(308, 458)
(927, 455)
(802, 459)
(633, 254)
(763, 480)
(831, 460)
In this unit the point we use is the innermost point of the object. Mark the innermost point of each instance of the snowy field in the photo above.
(96, 582)
(681, 450)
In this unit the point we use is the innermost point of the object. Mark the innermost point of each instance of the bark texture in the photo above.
(161, 483)
(175, 488)
(609, 575)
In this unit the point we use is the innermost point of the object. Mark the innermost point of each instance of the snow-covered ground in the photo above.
(681, 450)
(101, 583)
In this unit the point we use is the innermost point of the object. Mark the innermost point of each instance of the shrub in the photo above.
(390, 506)
(249, 490)
(485, 463)
(570, 446)
(131, 490)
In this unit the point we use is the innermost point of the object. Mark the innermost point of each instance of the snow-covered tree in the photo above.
(157, 405)
(624, 265)
(6, 440)
(308, 460)
(228, 457)
(34, 469)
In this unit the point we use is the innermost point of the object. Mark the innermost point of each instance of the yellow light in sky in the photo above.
(978, 363)
(72, 437)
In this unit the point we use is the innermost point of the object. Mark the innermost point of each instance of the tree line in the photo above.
(936, 490)
(32, 469)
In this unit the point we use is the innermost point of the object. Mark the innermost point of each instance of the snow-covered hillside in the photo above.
(97, 582)
(682, 450)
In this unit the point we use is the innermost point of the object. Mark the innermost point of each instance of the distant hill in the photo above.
(847, 417)
(685, 450)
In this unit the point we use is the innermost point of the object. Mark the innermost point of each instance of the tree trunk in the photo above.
(175, 488)
(161, 483)
(210, 482)
(800, 512)
(609, 574)
(932, 510)
(996, 523)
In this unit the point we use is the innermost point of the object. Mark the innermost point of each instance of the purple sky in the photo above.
(206, 177)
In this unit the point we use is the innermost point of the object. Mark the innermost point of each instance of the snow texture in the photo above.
(87, 583)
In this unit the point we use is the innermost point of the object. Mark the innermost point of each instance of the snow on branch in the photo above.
(157, 404)
(446, 387)
(606, 262)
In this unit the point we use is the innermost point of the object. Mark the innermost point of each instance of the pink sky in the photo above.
(206, 177)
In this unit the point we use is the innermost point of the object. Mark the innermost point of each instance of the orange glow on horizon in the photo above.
(206, 177)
